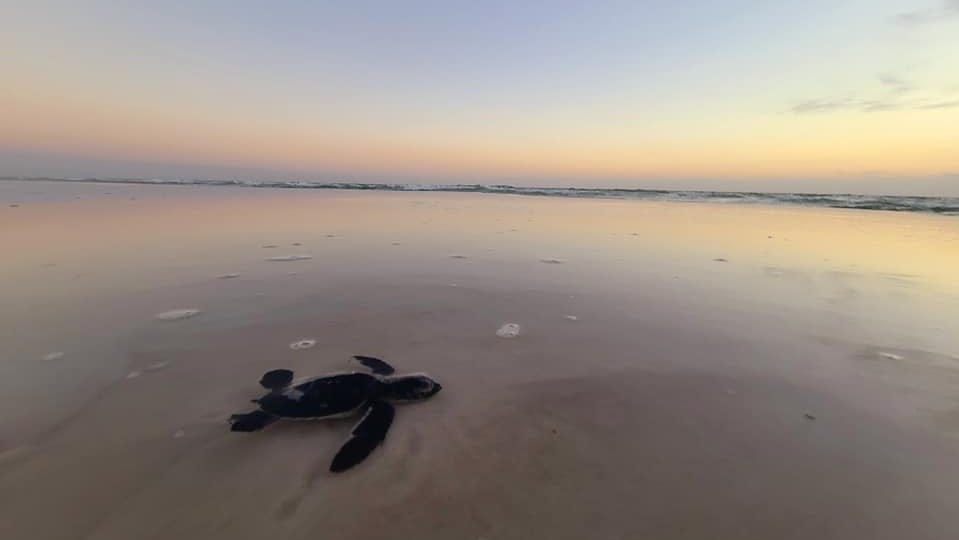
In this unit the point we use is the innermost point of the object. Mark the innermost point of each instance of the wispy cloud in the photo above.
(948, 10)
(895, 83)
(815, 106)
(940, 105)
(819, 106)
(899, 94)
(812, 106)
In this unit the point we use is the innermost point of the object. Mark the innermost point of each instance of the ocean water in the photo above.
(893, 203)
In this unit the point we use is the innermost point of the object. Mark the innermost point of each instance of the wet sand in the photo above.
(804, 386)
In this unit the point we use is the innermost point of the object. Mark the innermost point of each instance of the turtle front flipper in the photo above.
(254, 421)
(375, 364)
(368, 433)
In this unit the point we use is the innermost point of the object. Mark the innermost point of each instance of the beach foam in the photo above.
(287, 258)
(177, 314)
(508, 330)
(303, 344)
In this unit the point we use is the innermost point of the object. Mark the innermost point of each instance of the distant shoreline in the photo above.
(948, 206)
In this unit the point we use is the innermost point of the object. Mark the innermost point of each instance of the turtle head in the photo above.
(415, 387)
(277, 379)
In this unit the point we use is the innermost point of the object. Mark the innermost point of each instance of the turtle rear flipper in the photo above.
(368, 433)
(254, 421)
(375, 364)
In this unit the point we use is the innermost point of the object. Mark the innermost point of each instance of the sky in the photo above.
(819, 95)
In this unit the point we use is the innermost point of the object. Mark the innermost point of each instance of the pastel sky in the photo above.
(817, 95)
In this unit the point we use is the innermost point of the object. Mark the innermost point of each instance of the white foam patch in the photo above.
(133, 374)
(53, 356)
(157, 366)
(572, 318)
(179, 434)
(508, 330)
(228, 276)
(552, 261)
(177, 314)
(286, 258)
(303, 344)
(891, 356)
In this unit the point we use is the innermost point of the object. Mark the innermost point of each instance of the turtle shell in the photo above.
(332, 395)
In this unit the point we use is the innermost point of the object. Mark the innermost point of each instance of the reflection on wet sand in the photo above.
(805, 387)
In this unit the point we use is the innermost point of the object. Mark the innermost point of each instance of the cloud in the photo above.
(821, 106)
(939, 105)
(948, 10)
(815, 106)
(898, 96)
(895, 83)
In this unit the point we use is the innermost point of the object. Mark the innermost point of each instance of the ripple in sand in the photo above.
(459, 257)
(296, 244)
(395, 244)
(269, 246)
(177, 314)
(302, 344)
(508, 330)
(53, 356)
(287, 258)
(552, 261)
(720, 259)
(227, 276)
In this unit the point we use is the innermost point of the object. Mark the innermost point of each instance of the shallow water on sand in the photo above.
(803, 387)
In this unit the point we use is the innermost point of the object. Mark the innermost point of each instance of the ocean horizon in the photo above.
(948, 206)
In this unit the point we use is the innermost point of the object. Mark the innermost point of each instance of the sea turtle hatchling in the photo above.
(339, 395)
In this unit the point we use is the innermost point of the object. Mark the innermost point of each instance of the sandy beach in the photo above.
(680, 371)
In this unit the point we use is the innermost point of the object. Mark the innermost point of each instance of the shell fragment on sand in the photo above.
(572, 318)
(177, 314)
(53, 356)
(891, 356)
(287, 258)
(302, 344)
(228, 276)
(552, 261)
(508, 330)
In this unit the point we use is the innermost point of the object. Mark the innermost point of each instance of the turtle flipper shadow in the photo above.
(375, 364)
(368, 433)
(253, 421)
